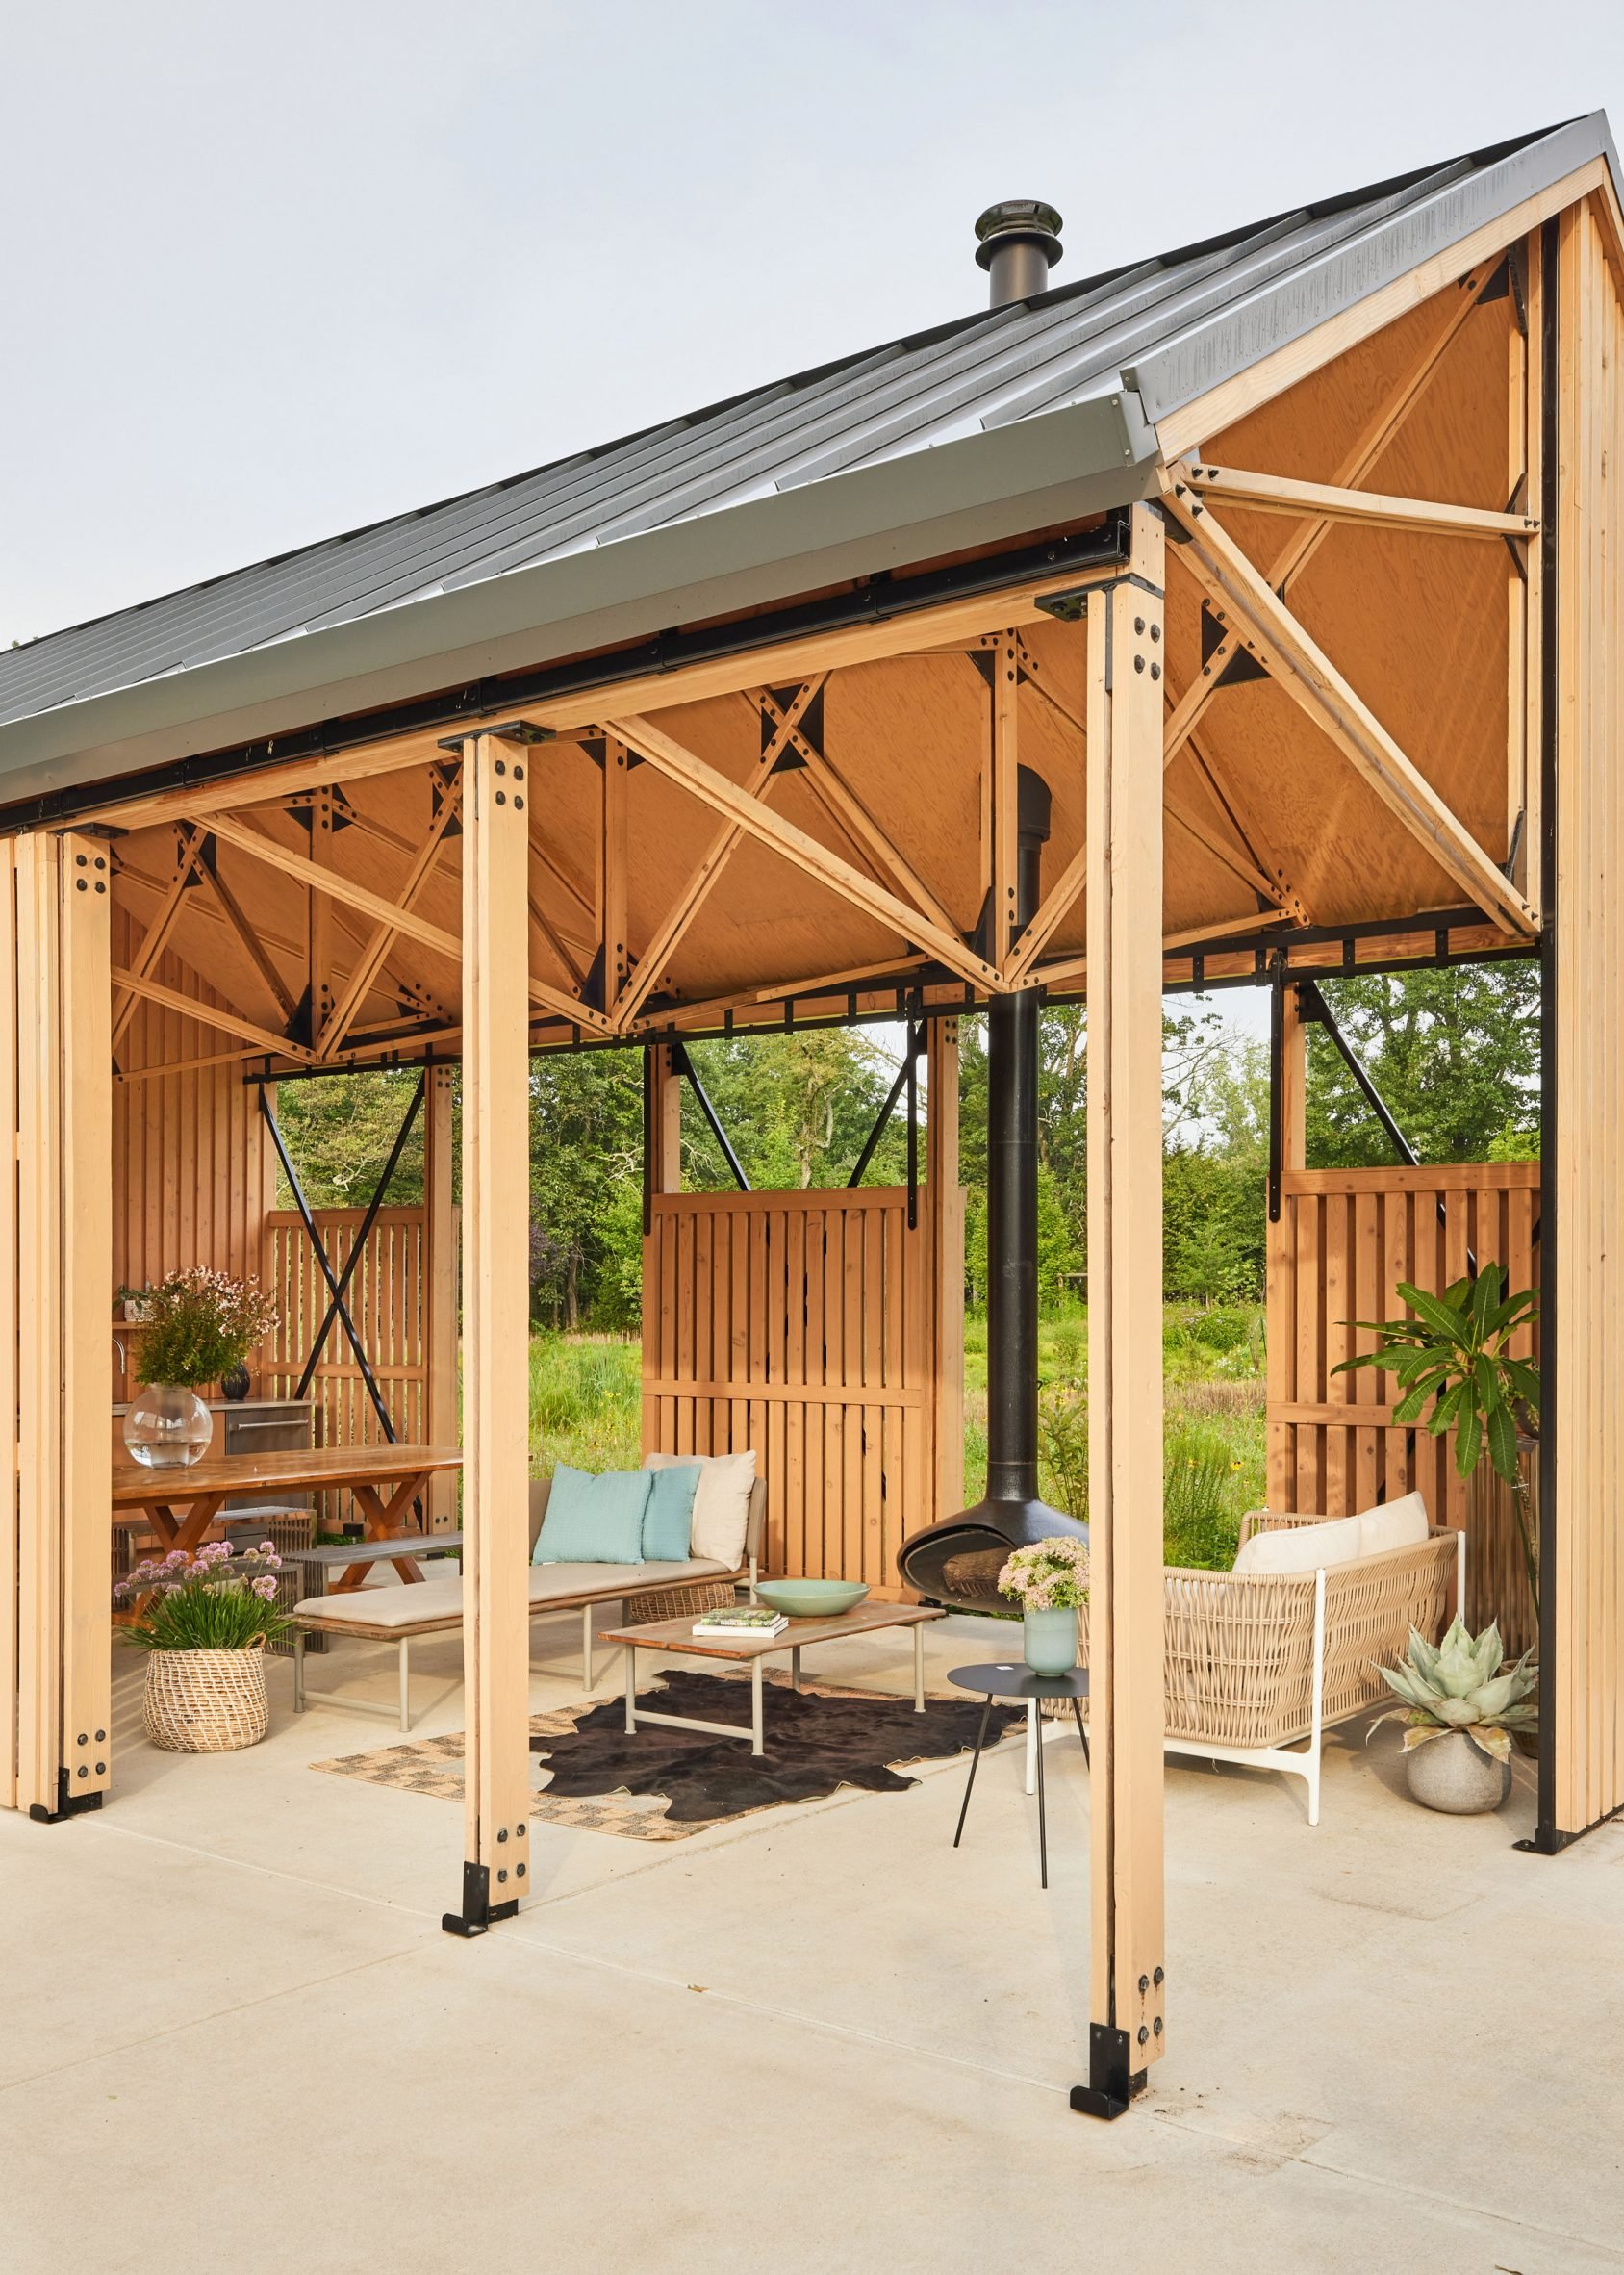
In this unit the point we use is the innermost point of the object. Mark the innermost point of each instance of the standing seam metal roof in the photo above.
(1164, 327)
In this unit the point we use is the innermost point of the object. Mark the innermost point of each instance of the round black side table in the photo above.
(1016, 1680)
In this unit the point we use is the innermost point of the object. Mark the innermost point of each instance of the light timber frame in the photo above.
(55, 1356)
(1353, 726)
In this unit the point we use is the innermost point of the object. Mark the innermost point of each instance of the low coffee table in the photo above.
(677, 1636)
(1015, 1681)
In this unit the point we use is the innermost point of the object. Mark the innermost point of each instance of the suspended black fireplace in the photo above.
(957, 1562)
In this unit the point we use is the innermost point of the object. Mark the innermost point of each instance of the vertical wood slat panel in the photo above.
(387, 1301)
(824, 1294)
(193, 1170)
(1343, 1243)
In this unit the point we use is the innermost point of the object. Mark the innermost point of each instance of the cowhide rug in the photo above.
(815, 1745)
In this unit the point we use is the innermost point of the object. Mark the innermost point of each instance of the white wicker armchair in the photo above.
(1258, 1665)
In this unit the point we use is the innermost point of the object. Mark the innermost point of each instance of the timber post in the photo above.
(1127, 660)
(55, 1242)
(495, 1329)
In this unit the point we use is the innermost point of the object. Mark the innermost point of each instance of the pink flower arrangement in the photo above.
(1050, 1575)
(210, 1602)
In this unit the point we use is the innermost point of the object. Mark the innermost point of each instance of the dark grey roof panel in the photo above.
(1169, 327)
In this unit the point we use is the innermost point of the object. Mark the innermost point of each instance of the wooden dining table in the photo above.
(181, 1504)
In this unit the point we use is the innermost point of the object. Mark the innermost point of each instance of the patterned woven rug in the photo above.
(662, 1785)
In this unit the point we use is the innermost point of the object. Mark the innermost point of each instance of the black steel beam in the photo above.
(882, 598)
(685, 1066)
(1548, 1838)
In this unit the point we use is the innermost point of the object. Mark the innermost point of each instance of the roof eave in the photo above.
(1201, 359)
(982, 489)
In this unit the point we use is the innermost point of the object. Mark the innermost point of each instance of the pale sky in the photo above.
(277, 271)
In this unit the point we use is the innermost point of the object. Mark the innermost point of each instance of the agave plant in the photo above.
(1457, 1685)
(1456, 1350)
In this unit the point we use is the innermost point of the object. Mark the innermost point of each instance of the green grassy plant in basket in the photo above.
(212, 1601)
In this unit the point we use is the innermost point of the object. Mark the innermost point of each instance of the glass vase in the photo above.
(1048, 1641)
(167, 1426)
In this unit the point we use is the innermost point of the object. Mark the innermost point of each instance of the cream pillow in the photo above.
(1393, 1525)
(722, 1501)
(1300, 1547)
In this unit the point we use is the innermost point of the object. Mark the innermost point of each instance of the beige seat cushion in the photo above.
(1393, 1525)
(384, 1606)
(1300, 1547)
(550, 1581)
(387, 1607)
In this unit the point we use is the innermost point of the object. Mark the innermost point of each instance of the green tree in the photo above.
(586, 1150)
(797, 1109)
(338, 1133)
(1455, 1054)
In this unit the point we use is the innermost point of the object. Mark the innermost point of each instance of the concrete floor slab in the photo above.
(815, 2039)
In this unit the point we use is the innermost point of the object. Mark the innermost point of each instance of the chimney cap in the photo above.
(1022, 220)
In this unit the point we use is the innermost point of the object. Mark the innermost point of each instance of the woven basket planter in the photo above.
(205, 1701)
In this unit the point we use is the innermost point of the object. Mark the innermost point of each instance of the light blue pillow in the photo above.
(593, 1520)
(668, 1521)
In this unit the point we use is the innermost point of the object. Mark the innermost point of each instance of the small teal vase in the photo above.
(1048, 1641)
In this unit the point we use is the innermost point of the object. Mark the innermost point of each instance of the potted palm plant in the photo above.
(204, 1622)
(201, 1325)
(1459, 1712)
(1456, 1350)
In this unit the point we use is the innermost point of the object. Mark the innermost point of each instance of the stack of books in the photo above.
(741, 1618)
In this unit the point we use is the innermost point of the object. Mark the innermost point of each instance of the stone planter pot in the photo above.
(1455, 1774)
(205, 1701)
(1048, 1641)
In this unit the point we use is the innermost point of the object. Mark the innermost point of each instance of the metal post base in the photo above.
(68, 1804)
(1111, 2085)
(478, 1913)
(1547, 1842)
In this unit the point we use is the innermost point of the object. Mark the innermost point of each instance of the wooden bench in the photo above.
(399, 1614)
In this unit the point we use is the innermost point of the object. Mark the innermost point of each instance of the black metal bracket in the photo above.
(479, 1915)
(807, 729)
(511, 730)
(1315, 1011)
(368, 1221)
(335, 1290)
(907, 1079)
(69, 1804)
(1112, 2080)
(1548, 1842)
(682, 1064)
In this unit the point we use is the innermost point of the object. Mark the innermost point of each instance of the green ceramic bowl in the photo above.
(811, 1600)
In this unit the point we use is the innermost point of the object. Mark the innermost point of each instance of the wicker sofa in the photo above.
(1257, 1667)
(390, 1614)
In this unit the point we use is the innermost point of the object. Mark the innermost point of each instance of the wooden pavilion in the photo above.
(1288, 560)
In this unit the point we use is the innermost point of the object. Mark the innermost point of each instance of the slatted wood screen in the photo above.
(799, 1324)
(387, 1299)
(193, 1172)
(1344, 1240)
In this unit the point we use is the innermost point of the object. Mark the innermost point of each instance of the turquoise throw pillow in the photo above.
(668, 1521)
(593, 1520)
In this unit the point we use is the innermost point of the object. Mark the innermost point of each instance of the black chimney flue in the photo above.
(958, 1562)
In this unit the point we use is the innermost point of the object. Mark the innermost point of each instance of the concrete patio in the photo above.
(816, 2038)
